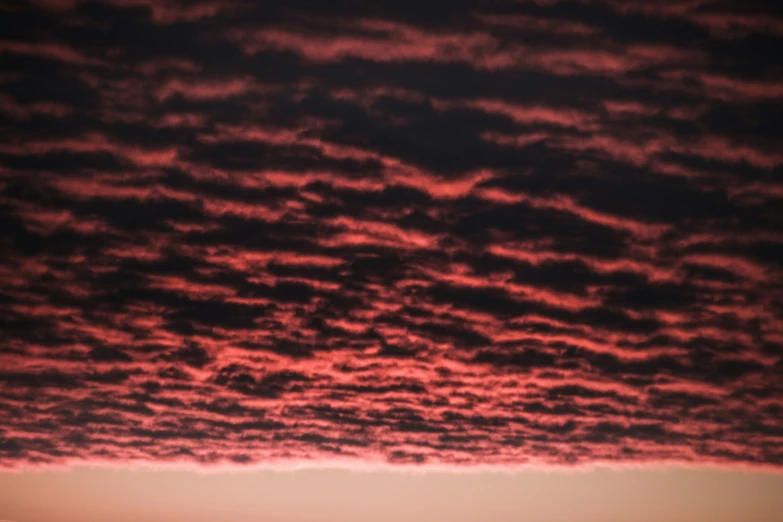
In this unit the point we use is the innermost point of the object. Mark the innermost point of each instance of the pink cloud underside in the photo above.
(504, 235)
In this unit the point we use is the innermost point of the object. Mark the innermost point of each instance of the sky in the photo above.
(341, 495)
(418, 239)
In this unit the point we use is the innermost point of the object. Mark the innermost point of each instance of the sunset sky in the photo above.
(469, 260)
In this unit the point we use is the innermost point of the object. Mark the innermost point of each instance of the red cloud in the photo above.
(509, 236)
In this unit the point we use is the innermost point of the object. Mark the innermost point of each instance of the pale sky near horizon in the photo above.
(332, 495)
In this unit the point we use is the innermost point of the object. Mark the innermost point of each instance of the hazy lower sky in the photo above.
(326, 495)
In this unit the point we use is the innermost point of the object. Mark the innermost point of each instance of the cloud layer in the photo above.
(458, 233)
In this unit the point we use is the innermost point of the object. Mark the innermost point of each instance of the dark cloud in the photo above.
(422, 232)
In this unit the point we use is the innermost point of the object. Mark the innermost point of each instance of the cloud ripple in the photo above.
(458, 233)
